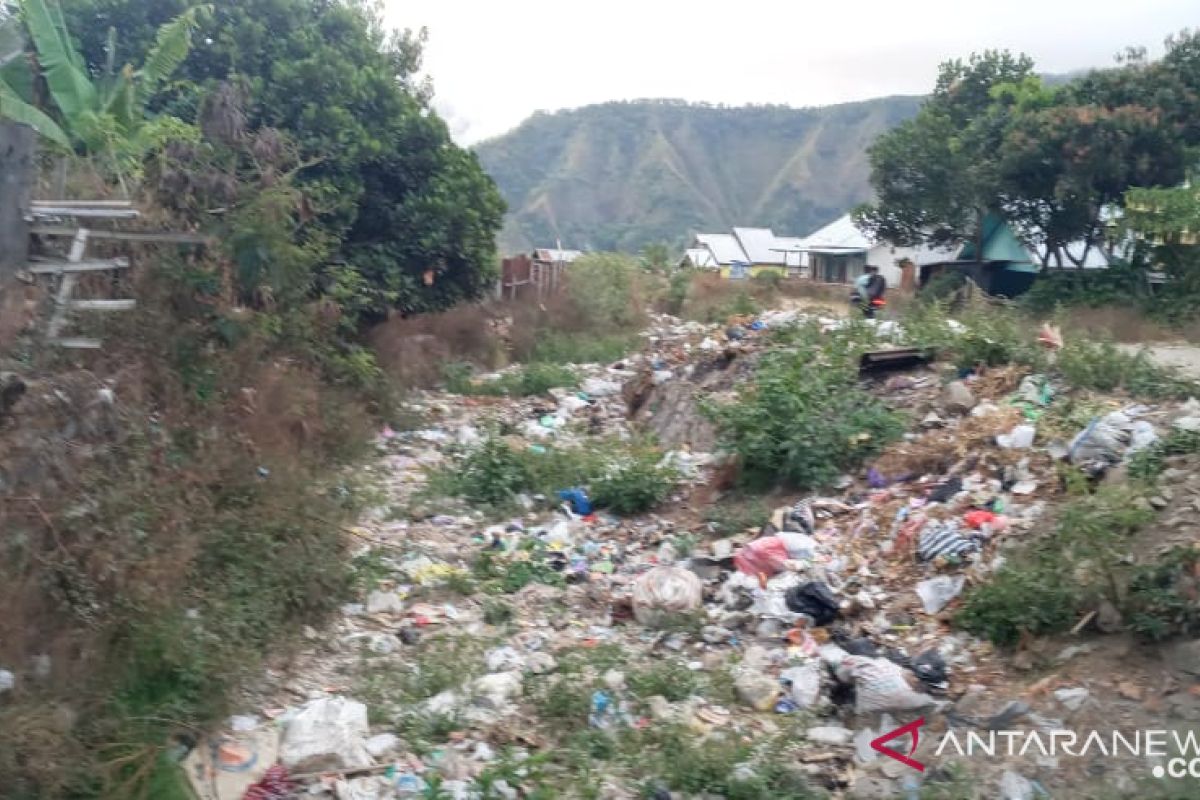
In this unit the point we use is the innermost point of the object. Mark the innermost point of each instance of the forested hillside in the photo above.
(620, 175)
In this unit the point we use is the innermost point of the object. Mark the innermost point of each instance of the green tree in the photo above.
(414, 215)
(936, 176)
(102, 117)
(656, 257)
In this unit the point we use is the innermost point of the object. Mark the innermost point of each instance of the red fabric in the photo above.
(274, 785)
(765, 556)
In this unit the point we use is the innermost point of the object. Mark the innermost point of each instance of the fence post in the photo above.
(17, 147)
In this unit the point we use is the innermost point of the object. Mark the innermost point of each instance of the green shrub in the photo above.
(561, 347)
(491, 473)
(1105, 367)
(1045, 588)
(670, 679)
(525, 381)
(1148, 464)
(635, 484)
(1162, 599)
(802, 419)
(603, 288)
(1117, 286)
(1020, 598)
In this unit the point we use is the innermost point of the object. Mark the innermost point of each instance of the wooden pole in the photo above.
(17, 150)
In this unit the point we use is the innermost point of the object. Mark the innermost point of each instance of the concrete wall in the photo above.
(17, 148)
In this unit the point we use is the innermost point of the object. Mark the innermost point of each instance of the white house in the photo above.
(839, 252)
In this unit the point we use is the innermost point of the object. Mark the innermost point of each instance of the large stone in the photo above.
(326, 734)
(1184, 657)
(957, 398)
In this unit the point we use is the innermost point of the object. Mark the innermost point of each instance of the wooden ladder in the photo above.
(76, 264)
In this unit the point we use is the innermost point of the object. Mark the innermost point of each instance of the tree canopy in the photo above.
(1055, 162)
(413, 215)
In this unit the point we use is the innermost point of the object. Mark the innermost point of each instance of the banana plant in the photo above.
(88, 116)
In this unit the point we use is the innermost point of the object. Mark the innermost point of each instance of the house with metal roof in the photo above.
(745, 253)
(841, 251)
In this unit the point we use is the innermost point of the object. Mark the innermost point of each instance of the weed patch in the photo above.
(803, 419)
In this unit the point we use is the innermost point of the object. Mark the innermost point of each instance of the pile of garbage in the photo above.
(835, 608)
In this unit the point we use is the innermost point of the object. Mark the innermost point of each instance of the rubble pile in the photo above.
(827, 625)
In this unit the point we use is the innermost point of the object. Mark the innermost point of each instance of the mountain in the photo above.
(621, 175)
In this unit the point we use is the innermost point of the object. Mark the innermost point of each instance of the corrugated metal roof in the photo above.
(723, 246)
(839, 236)
(701, 257)
(759, 244)
(551, 254)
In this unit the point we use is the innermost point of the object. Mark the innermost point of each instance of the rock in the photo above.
(830, 735)
(957, 398)
(598, 387)
(1073, 699)
(540, 663)
(1184, 657)
(1014, 786)
(1108, 618)
(715, 634)
(326, 734)
(874, 789)
(379, 602)
(383, 744)
(757, 690)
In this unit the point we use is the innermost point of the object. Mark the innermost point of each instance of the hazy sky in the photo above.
(495, 62)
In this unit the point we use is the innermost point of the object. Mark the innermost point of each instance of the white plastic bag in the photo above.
(326, 734)
(663, 592)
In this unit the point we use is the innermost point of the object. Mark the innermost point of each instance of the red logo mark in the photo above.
(878, 744)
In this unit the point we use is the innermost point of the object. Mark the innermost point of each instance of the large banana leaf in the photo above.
(14, 108)
(171, 46)
(63, 68)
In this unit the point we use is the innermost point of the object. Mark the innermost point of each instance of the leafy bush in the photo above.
(636, 483)
(1164, 598)
(525, 381)
(803, 420)
(1105, 367)
(1117, 285)
(1147, 464)
(491, 473)
(602, 288)
(1044, 589)
(621, 476)
(561, 347)
(670, 679)
(1019, 599)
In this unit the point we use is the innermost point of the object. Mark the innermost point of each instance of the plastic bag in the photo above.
(665, 591)
(804, 683)
(765, 556)
(800, 546)
(814, 600)
(879, 685)
(936, 593)
(1020, 438)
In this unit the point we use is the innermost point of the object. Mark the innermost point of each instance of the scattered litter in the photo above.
(766, 556)
(937, 593)
(326, 734)
(814, 600)
(664, 592)
(1019, 438)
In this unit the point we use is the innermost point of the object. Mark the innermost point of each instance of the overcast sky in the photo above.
(495, 62)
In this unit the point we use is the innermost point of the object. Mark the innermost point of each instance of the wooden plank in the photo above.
(85, 213)
(65, 290)
(77, 343)
(163, 237)
(84, 203)
(103, 305)
(63, 267)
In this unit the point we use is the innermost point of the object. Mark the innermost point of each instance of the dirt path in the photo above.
(1182, 356)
